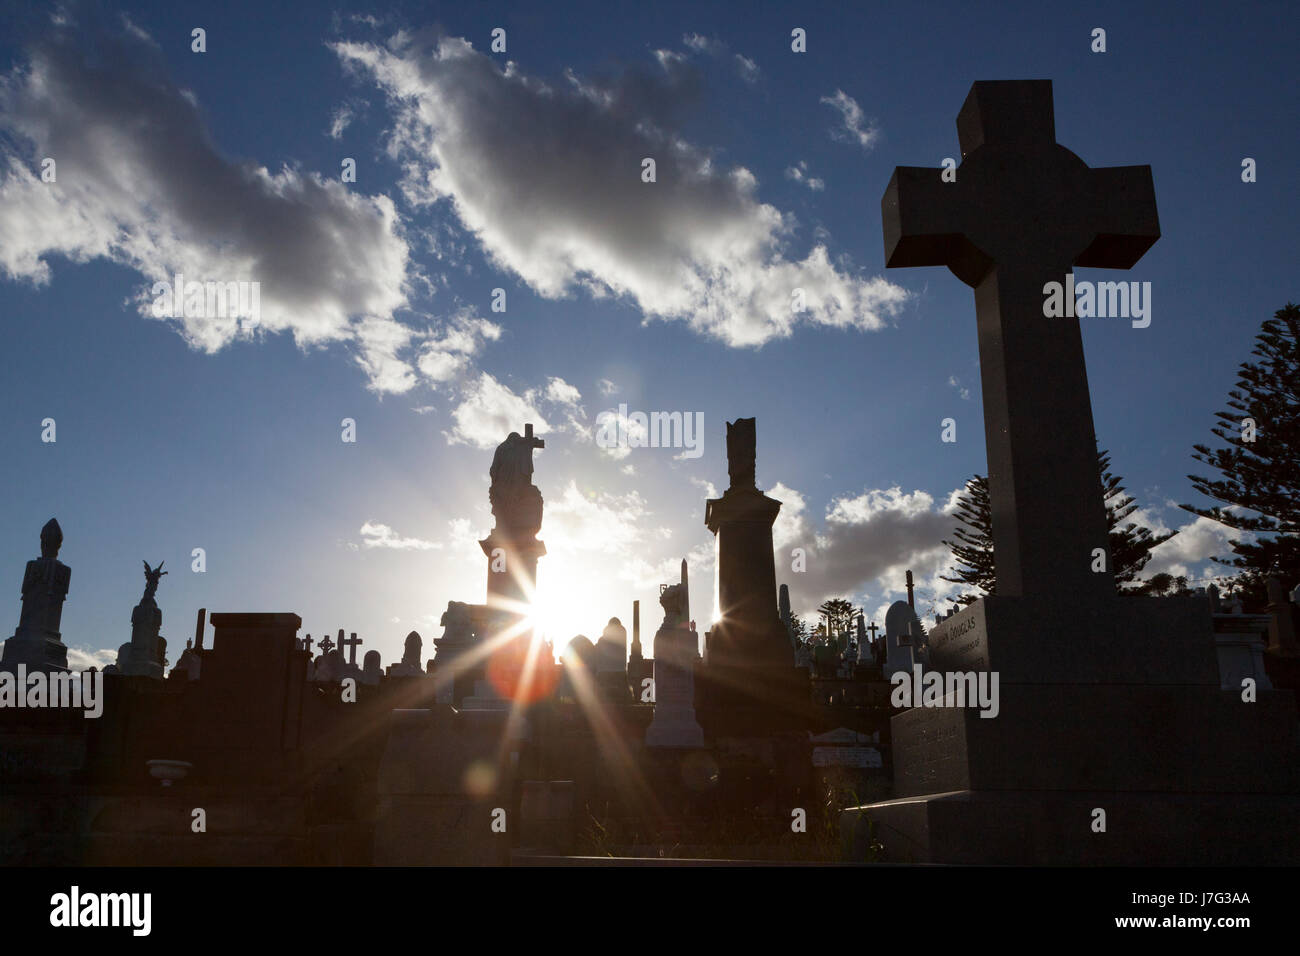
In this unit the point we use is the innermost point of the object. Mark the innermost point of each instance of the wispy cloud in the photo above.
(853, 127)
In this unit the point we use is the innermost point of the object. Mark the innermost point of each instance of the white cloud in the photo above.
(80, 658)
(548, 179)
(558, 390)
(596, 521)
(799, 173)
(446, 354)
(699, 43)
(855, 128)
(962, 390)
(489, 411)
(747, 68)
(1197, 541)
(141, 184)
(606, 387)
(376, 535)
(341, 120)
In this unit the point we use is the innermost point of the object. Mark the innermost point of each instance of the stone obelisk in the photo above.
(749, 685)
(37, 642)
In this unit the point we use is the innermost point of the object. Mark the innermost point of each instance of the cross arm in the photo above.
(1123, 208)
(924, 225)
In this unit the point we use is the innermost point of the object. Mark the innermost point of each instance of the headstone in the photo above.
(252, 689)
(611, 649)
(455, 680)
(749, 686)
(676, 651)
(371, 670)
(899, 654)
(1166, 751)
(37, 642)
(410, 664)
(844, 747)
(867, 647)
(147, 652)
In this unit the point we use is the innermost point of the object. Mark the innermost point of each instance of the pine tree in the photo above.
(1130, 543)
(1260, 467)
(974, 544)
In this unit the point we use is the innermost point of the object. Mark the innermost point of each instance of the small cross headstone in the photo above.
(326, 645)
(348, 645)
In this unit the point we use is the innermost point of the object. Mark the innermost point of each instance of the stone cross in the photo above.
(306, 644)
(873, 629)
(326, 645)
(348, 645)
(1022, 212)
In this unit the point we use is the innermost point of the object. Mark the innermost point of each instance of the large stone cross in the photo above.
(1023, 212)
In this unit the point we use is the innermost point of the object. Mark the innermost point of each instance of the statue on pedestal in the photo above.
(516, 502)
(37, 642)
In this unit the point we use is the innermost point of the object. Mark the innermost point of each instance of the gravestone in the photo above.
(611, 649)
(37, 642)
(899, 650)
(867, 646)
(147, 652)
(371, 670)
(843, 747)
(611, 661)
(1105, 702)
(252, 689)
(674, 723)
(410, 664)
(749, 685)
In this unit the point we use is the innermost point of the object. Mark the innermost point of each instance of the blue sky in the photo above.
(520, 170)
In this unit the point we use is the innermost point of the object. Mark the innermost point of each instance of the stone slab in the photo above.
(1116, 737)
(1052, 640)
(1019, 828)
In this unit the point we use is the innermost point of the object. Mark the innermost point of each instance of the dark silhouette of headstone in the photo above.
(37, 642)
(674, 724)
(147, 652)
(1165, 750)
(411, 664)
(1024, 211)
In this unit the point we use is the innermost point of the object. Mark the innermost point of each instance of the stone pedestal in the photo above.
(146, 652)
(1116, 707)
(748, 631)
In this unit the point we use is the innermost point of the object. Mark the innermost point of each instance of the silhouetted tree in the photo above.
(1130, 543)
(1259, 487)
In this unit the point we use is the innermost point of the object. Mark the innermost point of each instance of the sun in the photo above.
(561, 606)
